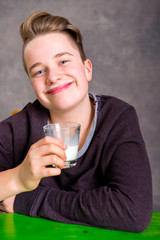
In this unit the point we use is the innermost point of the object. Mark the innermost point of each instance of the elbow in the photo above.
(140, 221)
(136, 222)
(140, 213)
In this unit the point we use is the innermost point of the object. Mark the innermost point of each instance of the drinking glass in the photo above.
(69, 133)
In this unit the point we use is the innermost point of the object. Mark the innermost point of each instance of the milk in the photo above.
(71, 152)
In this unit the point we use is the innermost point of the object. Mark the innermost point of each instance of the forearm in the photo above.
(10, 184)
(102, 207)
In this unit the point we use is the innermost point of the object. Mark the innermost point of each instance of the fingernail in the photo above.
(64, 146)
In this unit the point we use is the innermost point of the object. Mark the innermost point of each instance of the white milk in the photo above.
(71, 152)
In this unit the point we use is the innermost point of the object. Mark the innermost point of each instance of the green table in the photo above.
(16, 226)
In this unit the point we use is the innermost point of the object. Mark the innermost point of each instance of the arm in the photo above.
(124, 202)
(27, 175)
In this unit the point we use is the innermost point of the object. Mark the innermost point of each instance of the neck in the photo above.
(82, 114)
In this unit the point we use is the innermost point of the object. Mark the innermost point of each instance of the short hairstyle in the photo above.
(39, 23)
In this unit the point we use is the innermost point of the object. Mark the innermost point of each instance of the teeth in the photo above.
(57, 85)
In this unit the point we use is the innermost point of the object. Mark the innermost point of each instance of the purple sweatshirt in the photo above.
(110, 187)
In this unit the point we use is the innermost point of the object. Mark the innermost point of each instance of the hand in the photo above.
(47, 151)
(7, 205)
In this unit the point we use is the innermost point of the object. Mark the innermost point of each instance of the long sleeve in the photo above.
(120, 199)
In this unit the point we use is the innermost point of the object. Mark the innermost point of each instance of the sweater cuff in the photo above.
(24, 202)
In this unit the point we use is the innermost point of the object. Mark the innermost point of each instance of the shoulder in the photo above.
(110, 103)
(19, 125)
(19, 116)
(114, 115)
(111, 108)
(31, 110)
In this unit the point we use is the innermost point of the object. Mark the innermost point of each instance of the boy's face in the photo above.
(57, 73)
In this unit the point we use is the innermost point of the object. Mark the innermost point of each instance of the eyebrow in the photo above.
(63, 53)
(56, 56)
(33, 66)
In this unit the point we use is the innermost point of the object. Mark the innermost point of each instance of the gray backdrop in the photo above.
(122, 39)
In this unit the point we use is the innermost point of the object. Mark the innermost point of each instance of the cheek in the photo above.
(37, 88)
(78, 73)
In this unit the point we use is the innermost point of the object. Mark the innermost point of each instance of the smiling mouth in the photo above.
(58, 89)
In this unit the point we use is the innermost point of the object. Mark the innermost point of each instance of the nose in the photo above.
(54, 75)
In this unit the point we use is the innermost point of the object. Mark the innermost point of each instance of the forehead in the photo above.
(50, 42)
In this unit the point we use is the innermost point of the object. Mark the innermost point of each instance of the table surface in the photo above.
(16, 226)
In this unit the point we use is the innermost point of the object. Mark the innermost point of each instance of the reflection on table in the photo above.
(16, 226)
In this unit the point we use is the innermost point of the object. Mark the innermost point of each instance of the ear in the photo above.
(88, 69)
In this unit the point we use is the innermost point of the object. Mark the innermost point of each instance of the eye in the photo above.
(63, 62)
(40, 72)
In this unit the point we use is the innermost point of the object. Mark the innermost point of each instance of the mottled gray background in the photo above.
(122, 39)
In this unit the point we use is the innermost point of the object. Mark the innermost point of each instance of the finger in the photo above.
(52, 160)
(50, 171)
(2, 209)
(49, 149)
(49, 140)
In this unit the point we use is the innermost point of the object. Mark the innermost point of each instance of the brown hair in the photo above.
(39, 23)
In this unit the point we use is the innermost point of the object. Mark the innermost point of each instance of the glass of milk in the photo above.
(69, 133)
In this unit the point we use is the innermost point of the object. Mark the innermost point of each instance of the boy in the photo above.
(110, 186)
